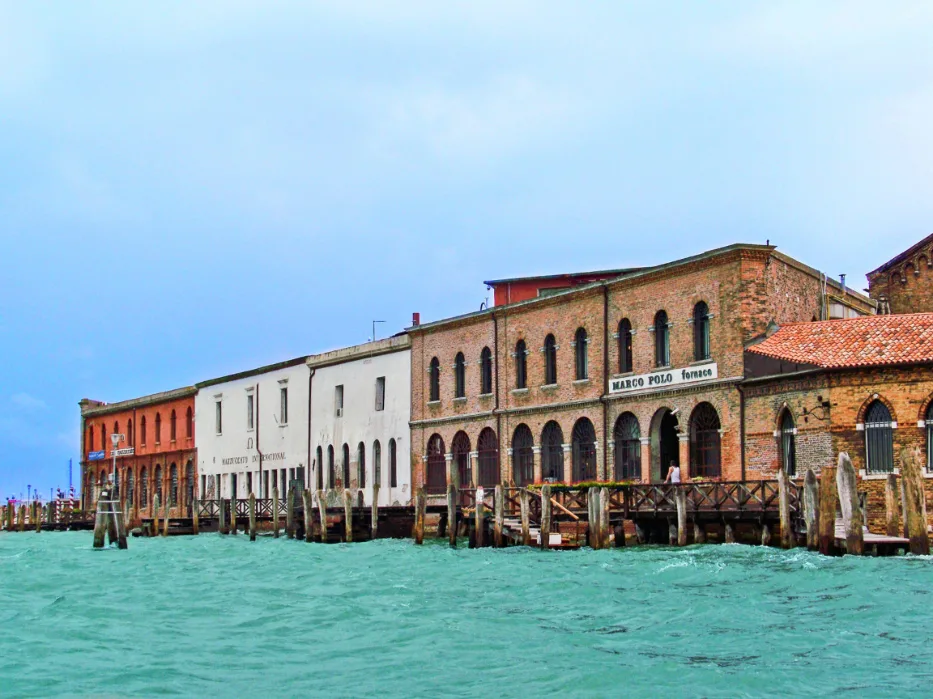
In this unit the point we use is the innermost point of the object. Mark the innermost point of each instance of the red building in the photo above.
(156, 455)
(524, 288)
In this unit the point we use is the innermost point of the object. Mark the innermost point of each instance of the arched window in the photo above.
(130, 486)
(142, 430)
(485, 371)
(393, 465)
(377, 463)
(550, 361)
(929, 425)
(580, 354)
(157, 485)
(90, 438)
(459, 376)
(436, 477)
(460, 448)
(434, 378)
(346, 466)
(173, 491)
(662, 340)
(331, 470)
(552, 453)
(103, 437)
(320, 468)
(189, 423)
(487, 447)
(116, 429)
(584, 451)
(879, 438)
(172, 432)
(158, 428)
(788, 447)
(189, 483)
(705, 442)
(627, 438)
(129, 433)
(625, 346)
(523, 457)
(361, 464)
(521, 365)
(700, 331)
(143, 487)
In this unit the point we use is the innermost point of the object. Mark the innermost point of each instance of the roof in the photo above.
(396, 343)
(853, 342)
(904, 256)
(141, 402)
(252, 372)
(601, 273)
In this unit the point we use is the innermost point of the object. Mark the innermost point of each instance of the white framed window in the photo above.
(283, 405)
(219, 416)
(250, 411)
(338, 400)
(381, 393)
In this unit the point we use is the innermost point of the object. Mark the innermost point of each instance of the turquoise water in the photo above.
(215, 616)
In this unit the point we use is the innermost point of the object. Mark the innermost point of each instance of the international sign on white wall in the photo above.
(128, 451)
(664, 379)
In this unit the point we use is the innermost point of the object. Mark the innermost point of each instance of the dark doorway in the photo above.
(669, 443)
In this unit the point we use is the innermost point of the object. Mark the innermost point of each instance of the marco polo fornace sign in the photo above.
(664, 379)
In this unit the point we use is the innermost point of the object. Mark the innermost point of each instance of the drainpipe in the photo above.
(605, 381)
(495, 347)
(310, 470)
(742, 427)
(258, 450)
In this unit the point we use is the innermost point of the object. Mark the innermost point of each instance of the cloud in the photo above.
(28, 402)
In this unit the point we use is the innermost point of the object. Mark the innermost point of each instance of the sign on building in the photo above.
(664, 379)
(96, 455)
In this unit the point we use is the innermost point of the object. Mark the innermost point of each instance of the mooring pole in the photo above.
(452, 515)
(420, 503)
(811, 509)
(546, 516)
(252, 516)
(847, 487)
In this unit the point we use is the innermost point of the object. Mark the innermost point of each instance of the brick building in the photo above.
(904, 284)
(610, 380)
(158, 453)
(861, 386)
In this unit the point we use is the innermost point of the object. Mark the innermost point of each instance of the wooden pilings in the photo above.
(452, 515)
(155, 515)
(195, 517)
(680, 501)
(290, 512)
(525, 504)
(252, 517)
(374, 513)
(847, 488)
(479, 519)
(275, 512)
(914, 502)
(604, 518)
(348, 516)
(420, 504)
(699, 533)
(232, 503)
(100, 521)
(498, 517)
(811, 509)
(37, 514)
(765, 535)
(322, 510)
(21, 525)
(729, 534)
(592, 517)
(788, 539)
(892, 526)
(827, 516)
(545, 516)
(307, 501)
(165, 519)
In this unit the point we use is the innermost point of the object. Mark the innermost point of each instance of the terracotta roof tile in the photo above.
(854, 342)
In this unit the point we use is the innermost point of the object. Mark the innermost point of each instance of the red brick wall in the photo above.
(908, 285)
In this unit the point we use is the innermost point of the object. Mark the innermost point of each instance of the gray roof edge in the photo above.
(139, 402)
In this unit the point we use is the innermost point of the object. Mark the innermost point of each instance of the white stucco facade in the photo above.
(252, 442)
(379, 430)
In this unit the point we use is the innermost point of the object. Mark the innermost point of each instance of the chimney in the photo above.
(415, 320)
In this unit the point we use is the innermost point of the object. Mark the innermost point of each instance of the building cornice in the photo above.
(398, 343)
(155, 398)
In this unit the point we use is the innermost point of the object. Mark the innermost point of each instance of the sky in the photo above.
(193, 189)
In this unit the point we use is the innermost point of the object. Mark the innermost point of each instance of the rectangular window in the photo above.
(338, 400)
(283, 414)
(249, 411)
(381, 393)
(219, 414)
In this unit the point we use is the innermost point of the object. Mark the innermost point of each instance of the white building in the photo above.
(252, 431)
(360, 409)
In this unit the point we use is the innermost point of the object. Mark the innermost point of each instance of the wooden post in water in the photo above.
(322, 509)
(166, 518)
(38, 511)
(546, 516)
(374, 513)
(640, 536)
(348, 515)
(275, 512)
(788, 539)
(155, 515)
(222, 516)
(195, 517)
(452, 515)
(729, 534)
(672, 532)
(811, 509)
(827, 517)
(479, 519)
(232, 503)
(680, 500)
(499, 516)
(892, 526)
(290, 512)
(604, 518)
(307, 500)
(100, 522)
(120, 522)
(592, 518)
(252, 516)
(699, 533)
(526, 517)
(765, 535)
(847, 487)
(420, 503)
(914, 501)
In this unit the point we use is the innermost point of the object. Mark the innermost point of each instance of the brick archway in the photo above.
(860, 418)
